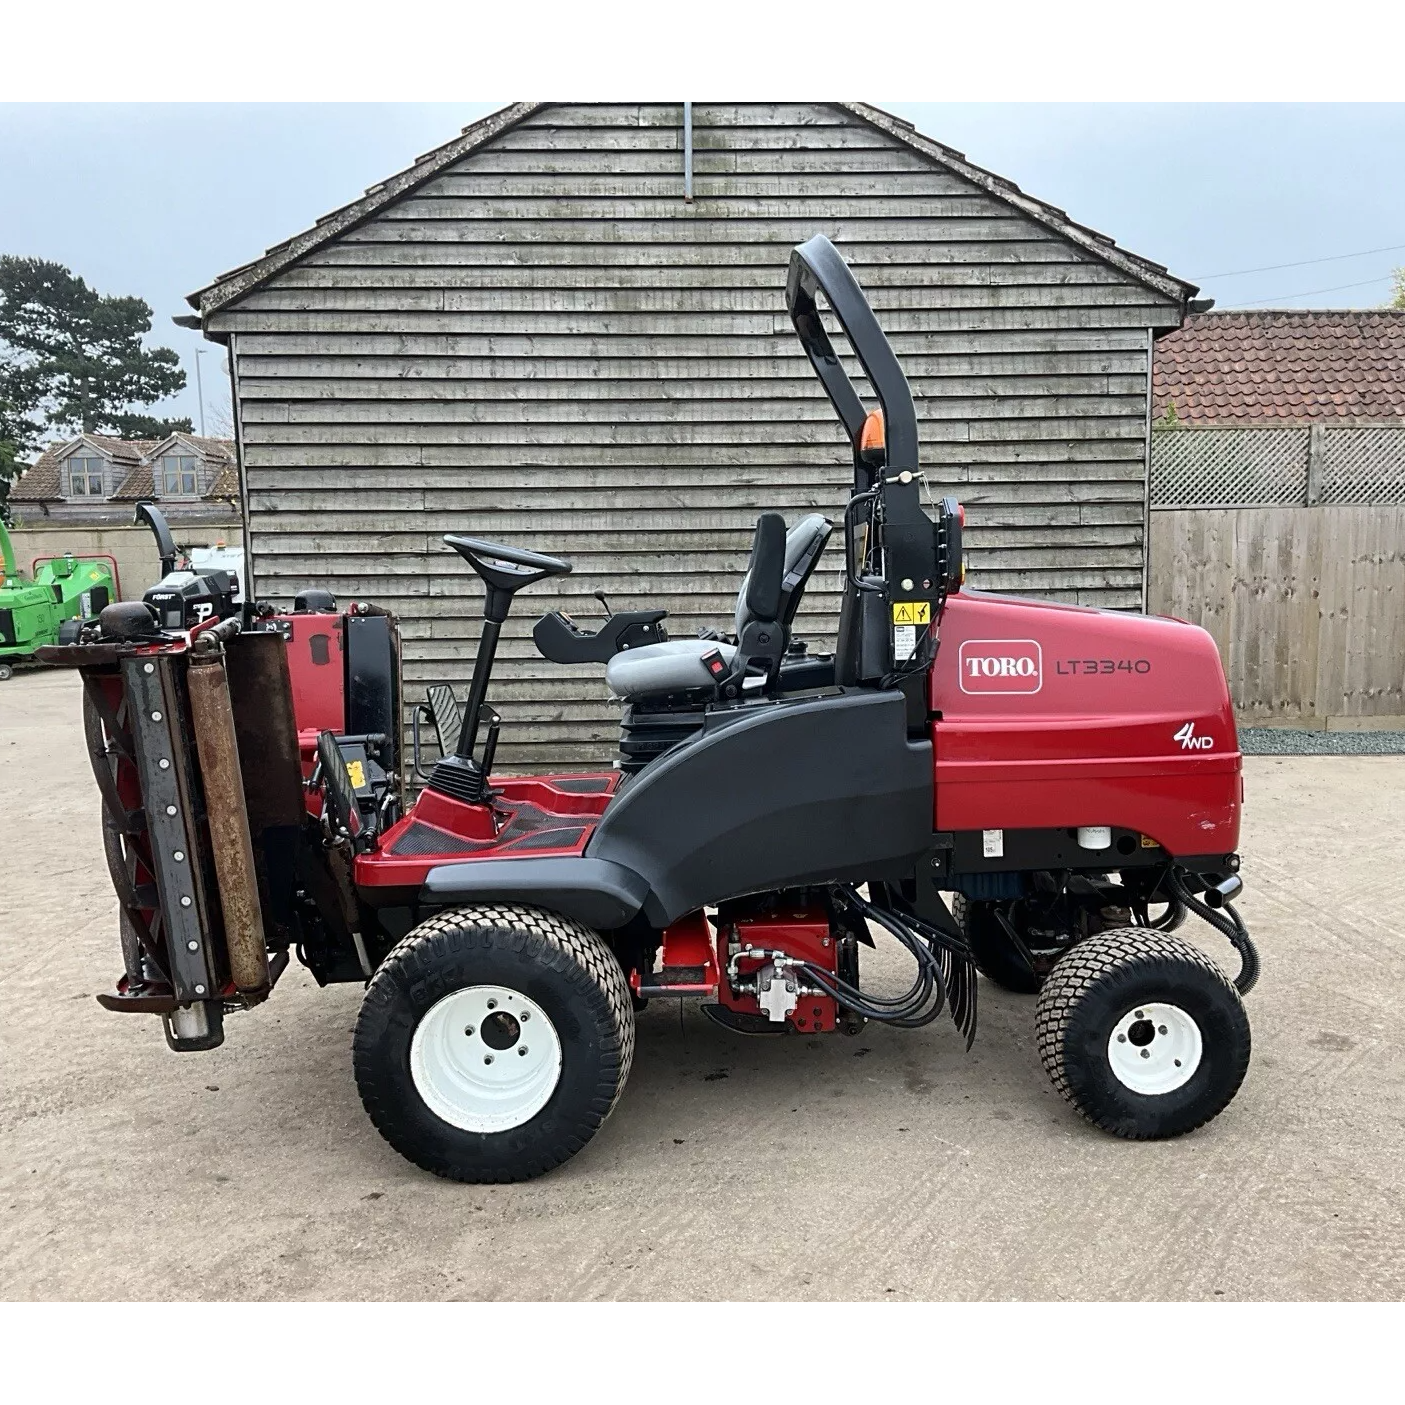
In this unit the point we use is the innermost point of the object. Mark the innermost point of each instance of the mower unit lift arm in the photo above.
(817, 265)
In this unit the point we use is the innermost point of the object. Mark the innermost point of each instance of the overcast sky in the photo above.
(156, 200)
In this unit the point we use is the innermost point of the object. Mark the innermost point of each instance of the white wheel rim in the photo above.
(485, 1059)
(1155, 1049)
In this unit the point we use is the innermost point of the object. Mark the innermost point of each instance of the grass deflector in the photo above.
(1039, 793)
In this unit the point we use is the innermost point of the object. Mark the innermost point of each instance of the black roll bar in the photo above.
(818, 265)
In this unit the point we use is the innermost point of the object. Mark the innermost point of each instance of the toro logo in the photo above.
(1001, 666)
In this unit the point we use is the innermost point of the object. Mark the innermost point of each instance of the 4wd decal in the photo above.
(1001, 666)
(1190, 741)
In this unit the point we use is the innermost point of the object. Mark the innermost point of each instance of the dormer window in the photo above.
(85, 476)
(178, 476)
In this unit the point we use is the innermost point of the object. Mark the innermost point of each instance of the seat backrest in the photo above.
(804, 544)
(800, 551)
(760, 597)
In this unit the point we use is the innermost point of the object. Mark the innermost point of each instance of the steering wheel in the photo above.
(505, 570)
(508, 568)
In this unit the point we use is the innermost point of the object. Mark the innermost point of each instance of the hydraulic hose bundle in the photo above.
(945, 976)
(1225, 920)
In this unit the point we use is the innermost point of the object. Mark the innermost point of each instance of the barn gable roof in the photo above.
(231, 286)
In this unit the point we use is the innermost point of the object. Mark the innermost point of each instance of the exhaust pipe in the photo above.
(212, 718)
(1219, 891)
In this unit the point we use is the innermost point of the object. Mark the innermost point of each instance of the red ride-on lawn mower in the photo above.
(1068, 778)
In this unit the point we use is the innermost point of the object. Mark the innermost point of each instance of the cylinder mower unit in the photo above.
(1039, 793)
(62, 592)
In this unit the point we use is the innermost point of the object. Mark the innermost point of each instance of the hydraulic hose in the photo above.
(1226, 921)
(919, 1005)
(1170, 919)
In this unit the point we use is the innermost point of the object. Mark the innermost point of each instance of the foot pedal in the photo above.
(444, 713)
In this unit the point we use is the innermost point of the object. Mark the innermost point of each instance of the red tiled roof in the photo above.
(1248, 367)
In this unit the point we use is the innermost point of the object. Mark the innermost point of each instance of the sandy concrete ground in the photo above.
(892, 1165)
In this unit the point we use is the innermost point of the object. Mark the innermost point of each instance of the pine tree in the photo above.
(72, 360)
(80, 353)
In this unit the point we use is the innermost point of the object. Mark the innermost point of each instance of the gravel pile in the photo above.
(1290, 741)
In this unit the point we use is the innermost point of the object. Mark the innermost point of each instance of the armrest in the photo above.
(558, 638)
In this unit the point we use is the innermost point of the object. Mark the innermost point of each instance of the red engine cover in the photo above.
(1057, 716)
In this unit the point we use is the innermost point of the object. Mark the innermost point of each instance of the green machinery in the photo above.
(63, 590)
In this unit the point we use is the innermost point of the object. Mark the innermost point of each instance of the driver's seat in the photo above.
(780, 567)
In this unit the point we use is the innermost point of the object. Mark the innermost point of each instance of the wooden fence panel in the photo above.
(1307, 605)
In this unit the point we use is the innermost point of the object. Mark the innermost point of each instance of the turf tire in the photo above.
(1094, 985)
(558, 963)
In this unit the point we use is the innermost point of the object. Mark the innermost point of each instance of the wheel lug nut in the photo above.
(1146, 1053)
(468, 1030)
(487, 1058)
(524, 1016)
(522, 1050)
(1161, 1029)
(1121, 1038)
(492, 1004)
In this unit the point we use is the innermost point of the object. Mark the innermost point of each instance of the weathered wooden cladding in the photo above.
(544, 343)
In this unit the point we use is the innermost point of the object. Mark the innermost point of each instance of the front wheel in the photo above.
(1142, 1033)
(493, 1042)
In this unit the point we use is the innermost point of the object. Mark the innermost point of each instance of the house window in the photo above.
(178, 476)
(85, 476)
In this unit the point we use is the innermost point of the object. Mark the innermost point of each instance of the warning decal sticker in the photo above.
(912, 612)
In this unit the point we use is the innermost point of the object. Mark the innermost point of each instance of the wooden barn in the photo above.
(566, 328)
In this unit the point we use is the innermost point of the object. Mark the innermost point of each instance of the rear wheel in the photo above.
(1142, 1033)
(6, 671)
(493, 1042)
(996, 956)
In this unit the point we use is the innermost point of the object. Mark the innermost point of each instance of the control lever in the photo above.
(600, 596)
(490, 747)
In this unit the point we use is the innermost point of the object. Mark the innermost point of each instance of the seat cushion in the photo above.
(669, 667)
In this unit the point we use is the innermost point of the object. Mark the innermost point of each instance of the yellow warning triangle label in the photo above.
(912, 612)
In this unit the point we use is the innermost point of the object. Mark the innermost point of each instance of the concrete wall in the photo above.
(134, 548)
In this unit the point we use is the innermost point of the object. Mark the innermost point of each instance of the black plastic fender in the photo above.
(601, 894)
(776, 795)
